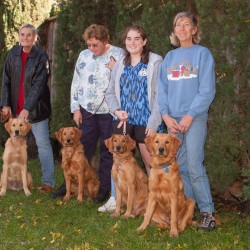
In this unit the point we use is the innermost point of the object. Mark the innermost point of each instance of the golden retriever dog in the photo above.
(166, 187)
(131, 183)
(79, 175)
(15, 175)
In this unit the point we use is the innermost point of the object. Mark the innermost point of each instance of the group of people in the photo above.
(112, 85)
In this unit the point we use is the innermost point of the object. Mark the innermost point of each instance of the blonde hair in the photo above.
(96, 31)
(195, 38)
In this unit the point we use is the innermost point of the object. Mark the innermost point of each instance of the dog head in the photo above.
(163, 146)
(68, 136)
(120, 144)
(17, 127)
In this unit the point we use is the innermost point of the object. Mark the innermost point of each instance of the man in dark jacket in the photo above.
(25, 94)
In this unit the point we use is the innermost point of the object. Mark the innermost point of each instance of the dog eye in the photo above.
(167, 142)
(157, 141)
(115, 140)
(21, 124)
(123, 141)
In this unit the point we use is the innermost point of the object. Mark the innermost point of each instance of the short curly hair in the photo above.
(99, 32)
(196, 37)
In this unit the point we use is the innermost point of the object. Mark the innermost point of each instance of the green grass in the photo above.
(38, 222)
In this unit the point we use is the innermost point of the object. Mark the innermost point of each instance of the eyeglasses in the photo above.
(94, 45)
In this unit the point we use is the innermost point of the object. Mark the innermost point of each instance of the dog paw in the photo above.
(66, 197)
(174, 233)
(115, 214)
(79, 200)
(126, 216)
(3, 193)
(141, 228)
(27, 193)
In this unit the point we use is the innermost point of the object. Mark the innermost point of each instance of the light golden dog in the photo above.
(131, 182)
(15, 175)
(78, 173)
(166, 188)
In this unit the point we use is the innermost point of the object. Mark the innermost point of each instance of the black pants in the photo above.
(94, 127)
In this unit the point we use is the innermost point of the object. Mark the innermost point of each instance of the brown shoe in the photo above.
(45, 189)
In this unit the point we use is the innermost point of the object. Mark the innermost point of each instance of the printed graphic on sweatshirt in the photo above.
(182, 71)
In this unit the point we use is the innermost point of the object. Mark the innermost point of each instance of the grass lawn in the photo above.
(38, 222)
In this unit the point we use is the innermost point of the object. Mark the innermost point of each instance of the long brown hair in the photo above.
(146, 49)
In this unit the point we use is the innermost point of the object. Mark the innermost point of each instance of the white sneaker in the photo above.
(109, 206)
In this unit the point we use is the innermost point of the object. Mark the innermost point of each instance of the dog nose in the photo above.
(161, 150)
(16, 132)
(68, 140)
(118, 148)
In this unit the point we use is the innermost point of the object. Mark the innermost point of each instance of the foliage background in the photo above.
(14, 13)
(226, 32)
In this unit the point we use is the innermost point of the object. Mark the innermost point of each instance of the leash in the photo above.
(86, 117)
(182, 140)
(124, 126)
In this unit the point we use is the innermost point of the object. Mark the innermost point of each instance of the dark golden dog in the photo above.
(131, 182)
(15, 175)
(78, 173)
(166, 187)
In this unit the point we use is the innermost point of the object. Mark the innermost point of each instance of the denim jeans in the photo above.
(113, 193)
(192, 170)
(41, 134)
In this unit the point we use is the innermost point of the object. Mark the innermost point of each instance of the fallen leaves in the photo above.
(56, 236)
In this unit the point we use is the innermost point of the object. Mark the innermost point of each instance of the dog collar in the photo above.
(164, 166)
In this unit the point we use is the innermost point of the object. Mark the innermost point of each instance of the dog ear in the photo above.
(149, 143)
(28, 127)
(78, 132)
(109, 144)
(58, 135)
(131, 143)
(176, 143)
(7, 125)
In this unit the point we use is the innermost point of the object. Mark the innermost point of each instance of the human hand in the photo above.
(121, 115)
(6, 110)
(111, 63)
(77, 117)
(185, 123)
(24, 114)
(149, 132)
(171, 123)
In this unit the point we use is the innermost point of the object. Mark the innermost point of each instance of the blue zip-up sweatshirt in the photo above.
(186, 82)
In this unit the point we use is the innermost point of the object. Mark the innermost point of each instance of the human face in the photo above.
(27, 38)
(96, 46)
(184, 30)
(134, 42)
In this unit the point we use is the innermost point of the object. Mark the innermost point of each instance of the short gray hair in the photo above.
(29, 26)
